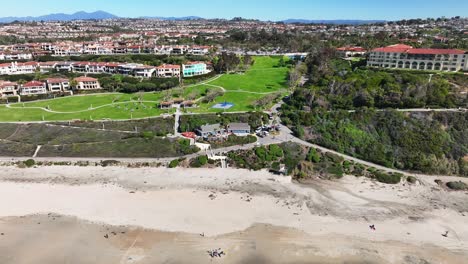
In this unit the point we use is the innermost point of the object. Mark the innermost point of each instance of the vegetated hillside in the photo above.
(192, 122)
(334, 84)
(303, 162)
(158, 126)
(432, 143)
(21, 140)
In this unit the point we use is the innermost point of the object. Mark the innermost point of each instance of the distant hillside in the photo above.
(62, 17)
(173, 18)
(334, 22)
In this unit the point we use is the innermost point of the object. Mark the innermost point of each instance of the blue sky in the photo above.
(261, 9)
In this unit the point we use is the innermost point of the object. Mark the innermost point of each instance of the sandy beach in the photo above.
(156, 215)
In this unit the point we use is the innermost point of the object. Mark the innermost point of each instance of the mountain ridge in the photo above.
(81, 15)
(99, 15)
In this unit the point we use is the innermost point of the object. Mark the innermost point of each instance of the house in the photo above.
(81, 67)
(144, 71)
(5, 68)
(178, 101)
(128, 68)
(47, 66)
(166, 105)
(206, 131)
(239, 129)
(348, 52)
(8, 88)
(15, 56)
(194, 68)
(135, 49)
(179, 50)
(33, 87)
(87, 83)
(112, 67)
(58, 84)
(188, 104)
(168, 71)
(406, 57)
(199, 50)
(119, 50)
(64, 66)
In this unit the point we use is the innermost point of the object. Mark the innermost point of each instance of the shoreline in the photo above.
(220, 202)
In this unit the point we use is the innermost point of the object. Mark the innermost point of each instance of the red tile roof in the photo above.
(56, 80)
(435, 51)
(30, 63)
(33, 84)
(401, 48)
(195, 62)
(85, 79)
(168, 66)
(355, 49)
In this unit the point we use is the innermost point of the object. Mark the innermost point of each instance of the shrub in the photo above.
(174, 163)
(199, 162)
(411, 179)
(336, 170)
(392, 178)
(29, 163)
(275, 150)
(313, 155)
(333, 157)
(458, 186)
(147, 134)
(261, 152)
(106, 163)
(275, 166)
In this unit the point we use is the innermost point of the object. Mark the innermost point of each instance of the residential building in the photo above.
(213, 130)
(57, 84)
(10, 56)
(199, 50)
(18, 68)
(144, 71)
(195, 68)
(348, 52)
(406, 57)
(33, 87)
(239, 129)
(8, 88)
(168, 71)
(65, 66)
(87, 83)
(47, 66)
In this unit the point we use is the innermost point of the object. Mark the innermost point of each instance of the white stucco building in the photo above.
(406, 57)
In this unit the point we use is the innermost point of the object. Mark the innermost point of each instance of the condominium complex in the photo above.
(168, 70)
(406, 57)
(33, 87)
(47, 86)
(58, 84)
(8, 88)
(86, 67)
(194, 68)
(87, 83)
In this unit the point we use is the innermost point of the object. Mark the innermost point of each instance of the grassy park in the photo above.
(263, 78)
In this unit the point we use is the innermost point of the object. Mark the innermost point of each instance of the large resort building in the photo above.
(406, 57)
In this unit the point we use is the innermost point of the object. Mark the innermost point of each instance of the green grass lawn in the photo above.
(242, 90)
(119, 111)
(263, 76)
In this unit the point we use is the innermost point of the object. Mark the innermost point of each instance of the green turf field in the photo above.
(264, 77)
